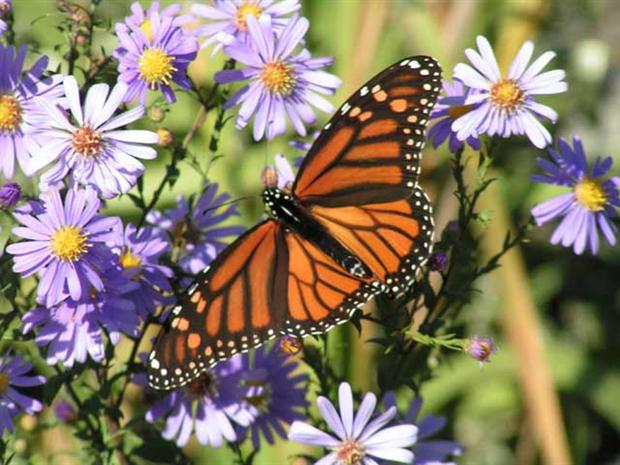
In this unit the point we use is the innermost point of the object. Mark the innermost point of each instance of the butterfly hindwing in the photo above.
(392, 238)
(320, 293)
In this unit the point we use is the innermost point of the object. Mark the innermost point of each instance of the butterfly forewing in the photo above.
(369, 152)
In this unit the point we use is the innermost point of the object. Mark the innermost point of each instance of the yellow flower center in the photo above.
(10, 113)
(87, 142)
(156, 67)
(4, 382)
(350, 453)
(456, 111)
(590, 194)
(69, 243)
(278, 78)
(129, 260)
(507, 94)
(263, 400)
(246, 8)
(147, 29)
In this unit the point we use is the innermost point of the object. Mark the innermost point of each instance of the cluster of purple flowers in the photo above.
(236, 398)
(85, 288)
(97, 278)
(481, 100)
(285, 81)
(96, 275)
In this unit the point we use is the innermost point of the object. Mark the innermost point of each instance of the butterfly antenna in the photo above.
(229, 202)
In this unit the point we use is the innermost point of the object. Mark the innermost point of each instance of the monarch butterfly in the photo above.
(355, 223)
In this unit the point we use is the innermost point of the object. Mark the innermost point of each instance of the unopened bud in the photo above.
(156, 113)
(269, 177)
(64, 411)
(166, 139)
(81, 38)
(10, 194)
(5, 7)
(438, 261)
(290, 345)
(481, 348)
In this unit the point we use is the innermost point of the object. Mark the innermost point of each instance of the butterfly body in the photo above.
(289, 212)
(355, 223)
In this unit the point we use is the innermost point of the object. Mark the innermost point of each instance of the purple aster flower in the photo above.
(138, 252)
(197, 230)
(426, 452)
(277, 393)
(155, 58)
(228, 18)
(10, 193)
(358, 439)
(140, 18)
(20, 114)
(65, 245)
(591, 205)
(218, 398)
(481, 348)
(448, 109)
(76, 329)
(13, 375)
(507, 105)
(282, 83)
(96, 152)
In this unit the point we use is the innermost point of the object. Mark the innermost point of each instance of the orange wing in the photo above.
(360, 179)
(231, 308)
(320, 293)
(393, 238)
(269, 282)
(370, 150)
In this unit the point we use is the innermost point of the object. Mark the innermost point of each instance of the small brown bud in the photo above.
(166, 139)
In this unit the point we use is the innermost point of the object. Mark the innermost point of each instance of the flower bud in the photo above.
(10, 194)
(5, 7)
(452, 231)
(290, 345)
(438, 261)
(166, 139)
(64, 411)
(269, 177)
(481, 348)
(156, 113)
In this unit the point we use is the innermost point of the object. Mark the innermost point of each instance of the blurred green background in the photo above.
(576, 300)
